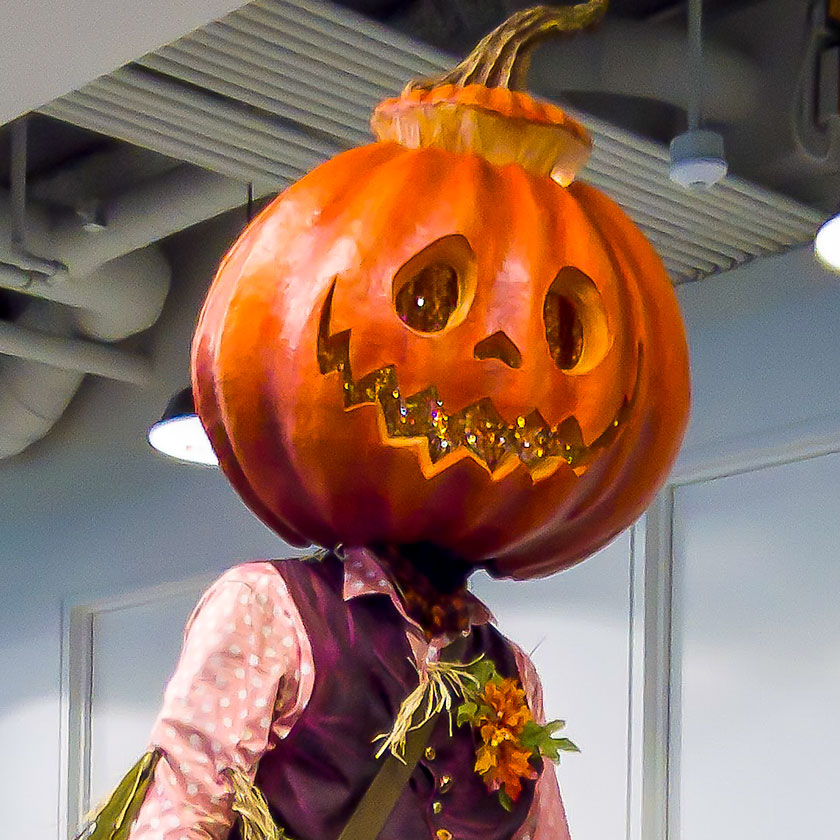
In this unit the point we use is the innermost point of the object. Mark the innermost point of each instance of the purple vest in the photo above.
(314, 778)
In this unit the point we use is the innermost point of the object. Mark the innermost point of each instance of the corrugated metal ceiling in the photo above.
(278, 86)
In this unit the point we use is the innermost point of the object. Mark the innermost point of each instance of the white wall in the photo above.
(90, 512)
(757, 654)
(765, 351)
(754, 515)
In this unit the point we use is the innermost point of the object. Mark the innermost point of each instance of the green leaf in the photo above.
(565, 745)
(113, 821)
(551, 753)
(552, 748)
(470, 692)
(506, 801)
(466, 713)
(484, 671)
(532, 735)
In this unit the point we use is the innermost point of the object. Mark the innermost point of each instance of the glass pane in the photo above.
(135, 651)
(757, 649)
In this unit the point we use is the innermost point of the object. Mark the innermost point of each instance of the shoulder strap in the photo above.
(381, 797)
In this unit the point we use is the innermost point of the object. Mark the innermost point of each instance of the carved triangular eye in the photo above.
(435, 288)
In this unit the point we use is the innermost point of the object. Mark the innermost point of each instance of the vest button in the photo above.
(430, 754)
(443, 834)
(437, 807)
(445, 784)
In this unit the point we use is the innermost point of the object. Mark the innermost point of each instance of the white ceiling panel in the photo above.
(48, 47)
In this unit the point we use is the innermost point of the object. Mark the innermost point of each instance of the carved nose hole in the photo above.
(499, 346)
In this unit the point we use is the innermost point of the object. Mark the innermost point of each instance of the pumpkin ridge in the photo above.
(531, 232)
(637, 311)
(209, 393)
(421, 173)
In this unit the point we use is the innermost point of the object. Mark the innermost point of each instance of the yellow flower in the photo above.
(485, 759)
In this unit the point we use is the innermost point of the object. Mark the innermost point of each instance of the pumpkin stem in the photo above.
(503, 57)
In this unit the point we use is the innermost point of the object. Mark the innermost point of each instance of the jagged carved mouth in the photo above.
(478, 430)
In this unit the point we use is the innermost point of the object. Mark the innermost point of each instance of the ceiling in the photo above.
(770, 36)
(49, 47)
(636, 9)
(451, 23)
(278, 105)
(69, 167)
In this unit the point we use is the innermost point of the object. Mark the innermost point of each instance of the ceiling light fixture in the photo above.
(827, 244)
(698, 160)
(179, 433)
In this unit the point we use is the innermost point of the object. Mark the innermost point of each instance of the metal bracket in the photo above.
(24, 260)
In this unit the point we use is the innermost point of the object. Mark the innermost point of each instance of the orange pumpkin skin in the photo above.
(322, 259)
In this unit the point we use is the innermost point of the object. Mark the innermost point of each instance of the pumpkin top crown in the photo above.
(500, 125)
(479, 108)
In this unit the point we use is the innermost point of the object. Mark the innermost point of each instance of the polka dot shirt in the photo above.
(245, 671)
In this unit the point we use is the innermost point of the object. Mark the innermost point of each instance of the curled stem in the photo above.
(503, 57)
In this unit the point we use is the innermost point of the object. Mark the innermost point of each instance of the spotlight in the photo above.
(179, 433)
(827, 244)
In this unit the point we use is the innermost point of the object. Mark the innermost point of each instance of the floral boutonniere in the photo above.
(510, 742)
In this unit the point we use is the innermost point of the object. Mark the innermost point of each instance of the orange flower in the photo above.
(507, 700)
(501, 759)
(505, 766)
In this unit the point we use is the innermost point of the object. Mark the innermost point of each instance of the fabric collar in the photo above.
(365, 575)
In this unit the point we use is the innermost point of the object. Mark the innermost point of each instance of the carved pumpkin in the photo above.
(432, 339)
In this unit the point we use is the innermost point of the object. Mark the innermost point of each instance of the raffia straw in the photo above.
(256, 822)
(439, 684)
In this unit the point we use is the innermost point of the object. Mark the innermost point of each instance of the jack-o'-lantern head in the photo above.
(440, 338)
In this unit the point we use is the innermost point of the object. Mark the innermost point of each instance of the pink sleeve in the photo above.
(547, 818)
(245, 670)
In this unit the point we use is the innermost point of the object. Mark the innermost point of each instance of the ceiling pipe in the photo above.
(150, 212)
(120, 299)
(698, 160)
(18, 181)
(114, 286)
(817, 142)
(678, 8)
(695, 63)
(33, 396)
(73, 354)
